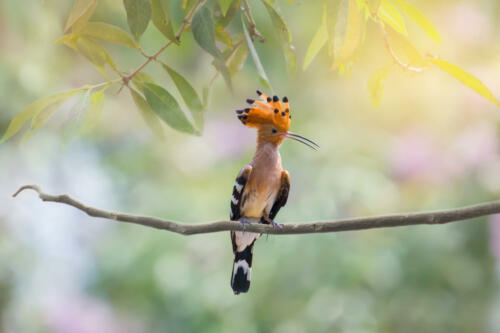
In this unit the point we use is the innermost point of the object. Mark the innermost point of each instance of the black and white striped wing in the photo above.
(282, 196)
(238, 188)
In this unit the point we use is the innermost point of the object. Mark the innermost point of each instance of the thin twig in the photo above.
(185, 22)
(253, 28)
(360, 223)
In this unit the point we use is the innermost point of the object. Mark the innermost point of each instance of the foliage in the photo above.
(342, 30)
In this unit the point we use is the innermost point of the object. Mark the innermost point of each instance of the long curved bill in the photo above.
(299, 138)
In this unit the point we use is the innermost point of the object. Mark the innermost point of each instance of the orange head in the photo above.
(272, 119)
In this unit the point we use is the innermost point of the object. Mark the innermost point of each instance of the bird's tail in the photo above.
(242, 269)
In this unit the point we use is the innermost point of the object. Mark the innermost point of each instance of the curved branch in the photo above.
(361, 223)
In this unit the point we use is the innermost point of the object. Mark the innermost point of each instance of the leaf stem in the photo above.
(251, 22)
(106, 83)
(185, 22)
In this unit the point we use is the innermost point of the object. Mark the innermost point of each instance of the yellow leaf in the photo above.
(390, 15)
(69, 40)
(347, 33)
(81, 12)
(404, 50)
(33, 110)
(466, 78)
(319, 40)
(41, 118)
(374, 5)
(95, 53)
(94, 112)
(223, 36)
(376, 84)
(330, 12)
(108, 32)
(419, 18)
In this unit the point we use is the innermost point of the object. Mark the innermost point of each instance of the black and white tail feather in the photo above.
(242, 270)
(242, 241)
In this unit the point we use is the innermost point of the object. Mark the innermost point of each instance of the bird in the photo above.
(261, 187)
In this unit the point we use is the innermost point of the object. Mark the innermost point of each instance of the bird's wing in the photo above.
(238, 188)
(282, 196)
(237, 199)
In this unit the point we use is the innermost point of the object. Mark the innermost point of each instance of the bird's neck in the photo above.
(266, 155)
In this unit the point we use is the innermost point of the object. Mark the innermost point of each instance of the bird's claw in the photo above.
(244, 221)
(277, 225)
(273, 224)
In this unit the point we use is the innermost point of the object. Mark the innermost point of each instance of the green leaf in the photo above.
(237, 60)
(278, 22)
(109, 33)
(94, 112)
(140, 78)
(347, 32)
(319, 40)
(223, 36)
(224, 19)
(167, 108)
(189, 96)
(466, 78)
(150, 118)
(33, 110)
(376, 84)
(224, 5)
(419, 18)
(284, 35)
(138, 16)
(161, 18)
(81, 12)
(94, 52)
(202, 26)
(390, 15)
(255, 57)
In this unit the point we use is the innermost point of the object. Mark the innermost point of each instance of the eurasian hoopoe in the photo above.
(262, 186)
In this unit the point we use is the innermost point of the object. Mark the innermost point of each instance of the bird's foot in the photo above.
(271, 222)
(244, 221)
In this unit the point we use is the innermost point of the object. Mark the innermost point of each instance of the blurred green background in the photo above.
(431, 144)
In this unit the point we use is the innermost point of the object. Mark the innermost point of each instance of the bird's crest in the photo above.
(266, 111)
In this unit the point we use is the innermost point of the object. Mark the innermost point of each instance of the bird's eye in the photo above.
(274, 131)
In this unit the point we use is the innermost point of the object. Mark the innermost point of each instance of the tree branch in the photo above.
(362, 223)
(253, 27)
